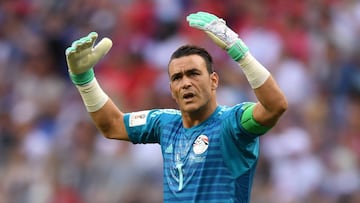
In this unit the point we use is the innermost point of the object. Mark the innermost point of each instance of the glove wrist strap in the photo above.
(238, 50)
(82, 78)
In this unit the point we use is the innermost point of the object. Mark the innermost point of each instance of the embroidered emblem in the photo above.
(201, 144)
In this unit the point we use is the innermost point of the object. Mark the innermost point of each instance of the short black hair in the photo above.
(187, 50)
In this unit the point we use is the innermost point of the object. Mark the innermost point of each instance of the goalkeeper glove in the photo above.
(227, 39)
(221, 34)
(81, 57)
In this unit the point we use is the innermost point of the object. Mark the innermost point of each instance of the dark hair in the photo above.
(188, 50)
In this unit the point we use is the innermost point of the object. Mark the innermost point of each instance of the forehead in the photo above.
(186, 63)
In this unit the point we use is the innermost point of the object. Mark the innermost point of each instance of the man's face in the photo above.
(191, 85)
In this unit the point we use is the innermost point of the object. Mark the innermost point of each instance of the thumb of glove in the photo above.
(102, 48)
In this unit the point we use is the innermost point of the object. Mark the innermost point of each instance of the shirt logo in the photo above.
(169, 149)
(201, 144)
(138, 118)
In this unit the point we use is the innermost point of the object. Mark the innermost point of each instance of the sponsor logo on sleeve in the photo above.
(138, 118)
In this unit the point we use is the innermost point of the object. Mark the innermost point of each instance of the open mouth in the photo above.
(188, 96)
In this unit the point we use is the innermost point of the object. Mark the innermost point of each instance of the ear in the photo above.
(214, 77)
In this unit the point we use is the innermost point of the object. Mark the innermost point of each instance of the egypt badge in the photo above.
(201, 144)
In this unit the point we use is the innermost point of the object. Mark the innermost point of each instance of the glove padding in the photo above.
(82, 56)
(219, 32)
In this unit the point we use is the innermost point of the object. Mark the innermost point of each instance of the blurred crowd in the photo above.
(50, 152)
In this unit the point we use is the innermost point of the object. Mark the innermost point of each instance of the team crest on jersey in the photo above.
(201, 144)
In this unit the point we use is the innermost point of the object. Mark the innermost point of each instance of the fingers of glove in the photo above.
(200, 19)
(86, 42)
(83, 43)
(207, 16)
(89, 58)
(195, 21)
(69, 50)
(93, 36)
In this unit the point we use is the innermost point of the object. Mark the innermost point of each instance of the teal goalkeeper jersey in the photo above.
(212, 162)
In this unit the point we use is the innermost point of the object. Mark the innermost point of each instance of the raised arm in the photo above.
(271, 101)
(81, 57)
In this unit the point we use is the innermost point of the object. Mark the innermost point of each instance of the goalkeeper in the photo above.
(210, 151)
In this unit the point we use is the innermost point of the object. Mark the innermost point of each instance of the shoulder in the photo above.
(237, 109)
(153, 115)
(165, 112)
(231, 116)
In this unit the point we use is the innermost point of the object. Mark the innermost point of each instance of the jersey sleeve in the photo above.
(143, 126)
(242, 125)
(239, 144)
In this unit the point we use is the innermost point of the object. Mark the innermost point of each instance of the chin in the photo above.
(190, 108)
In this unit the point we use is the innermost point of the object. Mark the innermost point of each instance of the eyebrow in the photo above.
(192, 70)
(175, 75)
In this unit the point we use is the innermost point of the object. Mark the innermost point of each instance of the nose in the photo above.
(186, 83)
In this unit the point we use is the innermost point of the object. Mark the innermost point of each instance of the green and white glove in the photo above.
(227, 39)
(220, 33)
(82, 56)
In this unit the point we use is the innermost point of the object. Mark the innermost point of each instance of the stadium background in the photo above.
(51, 153)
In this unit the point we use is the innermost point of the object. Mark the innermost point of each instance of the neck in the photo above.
(194, 118)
